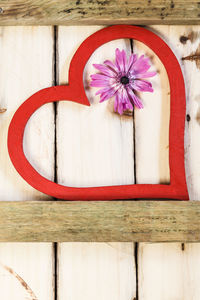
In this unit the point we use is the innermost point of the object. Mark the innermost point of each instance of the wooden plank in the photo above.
(101, 145)
(170, 266)
(45, 12)
(26, 66)
(127, 221)
(177, 264)
(152, 125)
(86, 268)
(100, 152)
(176, 271)
(26, 271)
(192, 76)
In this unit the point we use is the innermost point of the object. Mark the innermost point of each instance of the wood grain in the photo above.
(79, 12)
(152, 125)
(26, 66)
(85, 268)
(94, 147)
(26, 270)
(171, 270)
(175, 264)
(122, 221)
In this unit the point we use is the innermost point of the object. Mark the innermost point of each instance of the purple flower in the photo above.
(122, 79)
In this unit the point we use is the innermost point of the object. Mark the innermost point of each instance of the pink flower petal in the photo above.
(116, 102)
(124, 64)
(107, 94)
(99, 77)
(141, 65)
(99, 83)
(120, 60)
(111, 65)
(125, 97)
(142, 86)
(120, 106)
(109, 80)
(122, 101)
(134, 98)
(128, 105)
(101, 91)
(107, 89)
(104, 70)
(146, 75)
(132, 60)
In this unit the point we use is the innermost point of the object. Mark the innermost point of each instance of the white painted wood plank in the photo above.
(171, 271)
(94, 147)
(162, 272)
(166, 271)
(26, 271)
(26, 66)
(151, 125)
(95, 144)
(96, 271)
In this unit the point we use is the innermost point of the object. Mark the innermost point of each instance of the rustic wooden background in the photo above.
(84, 146)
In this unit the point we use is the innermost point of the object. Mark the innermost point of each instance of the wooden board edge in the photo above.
(116, 221)
(103, 12)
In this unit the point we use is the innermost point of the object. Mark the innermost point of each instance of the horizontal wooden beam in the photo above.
(79, 12)
(63, 221)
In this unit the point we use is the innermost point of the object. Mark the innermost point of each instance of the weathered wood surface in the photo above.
(26, 270)
(169, 271)
(79, 12)
(152, 125)
(164, 269)
(94, 147)
(85, 268)
(153, 221)
(161, 269)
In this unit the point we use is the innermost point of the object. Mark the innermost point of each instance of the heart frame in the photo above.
(74, 91)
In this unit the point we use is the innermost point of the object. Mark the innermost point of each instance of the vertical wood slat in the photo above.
(26, 66)
(171, 271)
(26, 271)
(94, 147)
(151, 140)
(152, 125)
(148, 145)
(96, 271)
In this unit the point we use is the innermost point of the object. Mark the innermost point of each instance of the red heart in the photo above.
(177, 188)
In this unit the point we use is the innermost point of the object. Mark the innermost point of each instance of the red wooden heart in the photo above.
(177, 188)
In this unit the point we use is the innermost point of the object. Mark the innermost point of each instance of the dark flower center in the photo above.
(124, 80)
